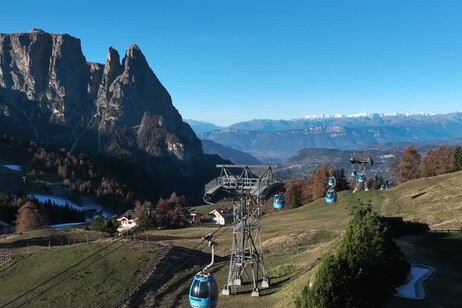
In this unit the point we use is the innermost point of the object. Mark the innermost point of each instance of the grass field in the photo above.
(293, 242)
(93, 274)
(436, 201)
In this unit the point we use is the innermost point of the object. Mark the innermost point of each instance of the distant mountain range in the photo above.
(276, 140)
(237, 157)
(201, 126)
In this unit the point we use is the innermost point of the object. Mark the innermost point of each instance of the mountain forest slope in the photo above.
(51, 95)
(294, 241)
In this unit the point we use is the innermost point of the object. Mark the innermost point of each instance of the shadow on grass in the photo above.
(173, 275)
(446, 246)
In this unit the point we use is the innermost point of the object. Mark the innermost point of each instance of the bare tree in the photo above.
(30, 217)
(439, 161)
(319, 182)
(409, 165)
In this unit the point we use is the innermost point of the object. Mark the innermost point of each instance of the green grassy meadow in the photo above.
(93, 274)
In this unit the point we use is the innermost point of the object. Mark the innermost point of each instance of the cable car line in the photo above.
(170, 269)
(331, 194)
(359, 173)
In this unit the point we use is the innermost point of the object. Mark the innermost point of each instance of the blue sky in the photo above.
(230, 61)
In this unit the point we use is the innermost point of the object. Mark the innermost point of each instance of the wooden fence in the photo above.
(150, 271)
(445, 231)
(5, 257)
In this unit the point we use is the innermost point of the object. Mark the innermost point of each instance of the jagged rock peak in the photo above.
(44, 66)
(37, 30)
(134, 57)
(113, 65)
(133, 50)
(113, 55)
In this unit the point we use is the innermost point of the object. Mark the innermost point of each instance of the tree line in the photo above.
(82, 174)
(99, 176)
(411, 165)
(26, 213)
(300, 192)
(167, 213)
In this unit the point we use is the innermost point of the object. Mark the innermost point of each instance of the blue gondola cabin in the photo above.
(279, 201)
(203, 292)
(331, 196)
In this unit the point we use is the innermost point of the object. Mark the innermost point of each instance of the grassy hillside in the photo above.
(436, 201)
(79, 269)
(293, 241)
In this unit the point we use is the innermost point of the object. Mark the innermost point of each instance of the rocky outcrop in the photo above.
(49, 70)
(47, 85)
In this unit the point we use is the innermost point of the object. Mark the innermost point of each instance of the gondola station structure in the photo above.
(249, 191)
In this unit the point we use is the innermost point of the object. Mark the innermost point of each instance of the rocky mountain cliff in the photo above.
(50, 93)
(46, 83)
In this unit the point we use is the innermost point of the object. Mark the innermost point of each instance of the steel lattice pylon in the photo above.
(360, 161)
(246, 252)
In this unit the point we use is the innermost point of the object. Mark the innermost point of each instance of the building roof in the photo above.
(130, 214)
(225, 213)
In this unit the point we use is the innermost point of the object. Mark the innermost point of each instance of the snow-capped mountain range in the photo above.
(276, 140)
(364, 115)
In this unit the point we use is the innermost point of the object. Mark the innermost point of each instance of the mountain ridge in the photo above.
(276, 140)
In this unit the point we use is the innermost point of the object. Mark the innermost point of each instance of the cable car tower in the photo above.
(359, 172)
(250, 192)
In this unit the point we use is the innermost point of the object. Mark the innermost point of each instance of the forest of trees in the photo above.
(28, 213)
(81, 174)
(96, 176)
(411, 165)
(167, 213)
